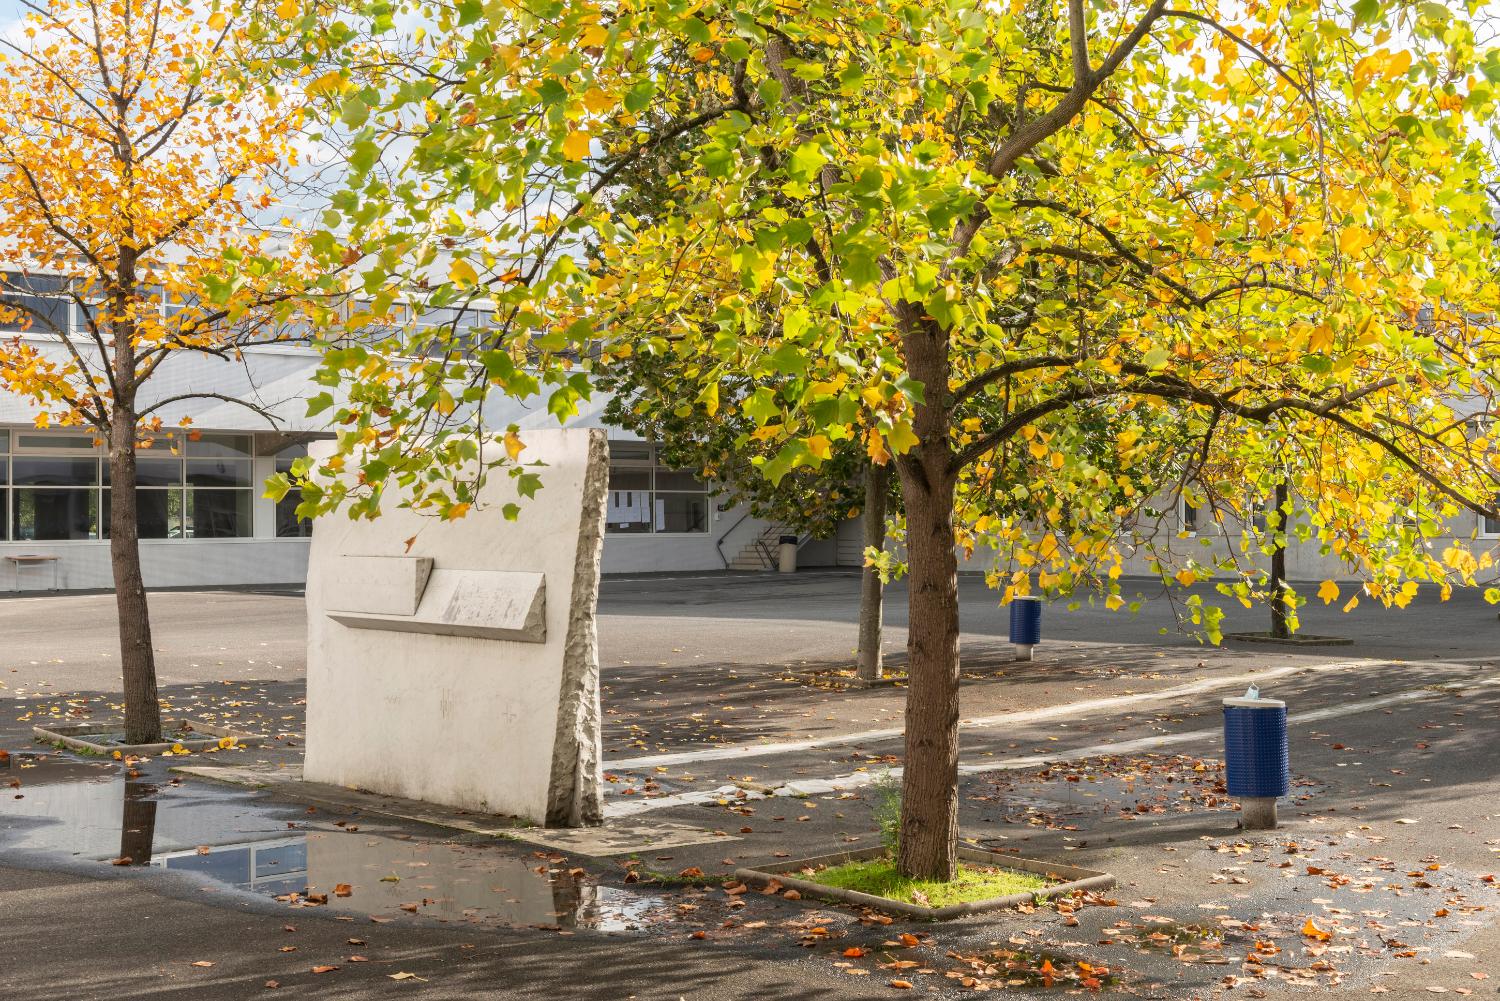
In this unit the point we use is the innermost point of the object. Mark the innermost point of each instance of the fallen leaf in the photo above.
(342, 890)
(203, 962)
(901, 985)
(324, 969)
(1314, 932)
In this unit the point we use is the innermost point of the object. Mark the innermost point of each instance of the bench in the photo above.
(31, 560)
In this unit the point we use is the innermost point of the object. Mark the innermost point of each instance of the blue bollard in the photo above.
(1025, 625)
(1256, 757)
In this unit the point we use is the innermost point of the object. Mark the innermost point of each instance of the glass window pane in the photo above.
(218, 472)
(630, 479)
(1491, 526)
(163, 471)
(629, 451)
(57, 442)
(218, 514)
(628, 511)
(675, 479)
(4, 441)
(228, 445)
(15, 281)
(158, 513)
(681, 513)
(288, 525)
(32, 314)
(51, 514)
(47, 472)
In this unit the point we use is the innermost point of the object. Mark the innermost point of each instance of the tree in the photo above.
(131, 170)
(722, 443)
(982, 242)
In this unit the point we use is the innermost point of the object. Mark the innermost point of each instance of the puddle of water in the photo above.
(1189, 942)
(338, 861)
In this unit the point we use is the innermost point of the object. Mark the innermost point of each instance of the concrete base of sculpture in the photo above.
(456, 662)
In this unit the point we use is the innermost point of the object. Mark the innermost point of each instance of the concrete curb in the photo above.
(1290, 640)
(1077, 878)
(64, 734)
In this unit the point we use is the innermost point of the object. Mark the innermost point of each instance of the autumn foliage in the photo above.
(136, 178)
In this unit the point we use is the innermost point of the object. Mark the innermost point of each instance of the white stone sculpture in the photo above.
(463, 669)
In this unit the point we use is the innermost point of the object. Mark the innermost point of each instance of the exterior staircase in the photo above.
(764, 551)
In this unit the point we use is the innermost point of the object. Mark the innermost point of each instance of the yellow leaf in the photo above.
(576, 145)
(597, 100)
(457, 511)
(1351, 604)
(1328, 591)
(710, 398)
(1353, 239)
(331, 82)
(1114, 602)
(1312, 931)
(513, 445)
(288, 9)
(217, 21)
(901, 438)
(820, 446)
(1186, 577)
(462, 274)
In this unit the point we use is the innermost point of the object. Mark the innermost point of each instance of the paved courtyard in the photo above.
(726, 715)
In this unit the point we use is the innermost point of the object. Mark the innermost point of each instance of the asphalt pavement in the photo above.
(727, 712)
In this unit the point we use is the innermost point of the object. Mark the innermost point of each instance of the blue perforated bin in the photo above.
(1026, 621)
(1255, 748)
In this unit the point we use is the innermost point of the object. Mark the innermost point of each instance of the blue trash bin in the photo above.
(1025, 625)
(1256, 757)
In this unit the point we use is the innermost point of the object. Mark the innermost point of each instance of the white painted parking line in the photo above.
(1067, 709)
(856, 780)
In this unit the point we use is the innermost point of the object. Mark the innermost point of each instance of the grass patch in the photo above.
(879, 878)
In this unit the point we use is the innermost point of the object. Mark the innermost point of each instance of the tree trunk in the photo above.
(1278, 568)
(137, 663)
(138, 824)
(871, 590)
(928, 847)
(929, 803)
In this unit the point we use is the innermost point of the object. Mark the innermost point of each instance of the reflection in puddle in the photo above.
(303, 856)
(1188, 942)
(478, 883)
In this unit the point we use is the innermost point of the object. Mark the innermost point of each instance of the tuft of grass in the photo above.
(879, 878)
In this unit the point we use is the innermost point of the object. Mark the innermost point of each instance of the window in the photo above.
(288, 525)
(646, 497)
(35, 303)
(1489, 528)
(219, 489)
(53, 497)
(437, 332)
(1188, 515)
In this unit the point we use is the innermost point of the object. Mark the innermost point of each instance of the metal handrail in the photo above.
(719, 542)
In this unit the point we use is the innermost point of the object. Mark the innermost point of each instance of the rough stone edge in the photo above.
(1290, 640)
(574, 795)
(62, 733)
(1084, 879)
